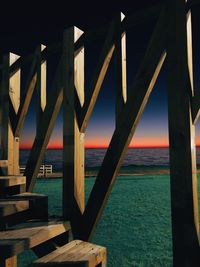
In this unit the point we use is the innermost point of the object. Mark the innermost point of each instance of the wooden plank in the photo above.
(11, 207)
(120, 66)
(35, 206)
(46, 126)
(98, 76)
(78, 252)
(184, 202)
(29, 235)
(14, 93)
(41, 86)
(142, 87)
(30, 86)
(12, 180)
(73, 139)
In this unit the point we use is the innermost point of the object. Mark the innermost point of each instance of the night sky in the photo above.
(152, 130)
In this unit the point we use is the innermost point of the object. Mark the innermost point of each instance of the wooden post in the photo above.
(184, 202)
(73, 139)
(41, 86)
(120, 58)
(10, 89)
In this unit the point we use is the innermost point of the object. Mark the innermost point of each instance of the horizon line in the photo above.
(101, 147)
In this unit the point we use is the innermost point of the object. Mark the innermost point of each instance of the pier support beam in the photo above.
(73, 139)
(184, 202)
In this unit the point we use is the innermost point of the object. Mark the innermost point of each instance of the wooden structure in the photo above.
(171, 42)
(77, 251)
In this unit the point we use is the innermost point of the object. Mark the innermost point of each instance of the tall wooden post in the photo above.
(184, 202)
(41, 86)
(120, 59)
(73, 139)
(10, 89)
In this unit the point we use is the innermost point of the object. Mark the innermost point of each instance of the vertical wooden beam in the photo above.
(73, 139)
(120, 56)
(184, 202)
(40, 86)
(10, 90)
(142, 87)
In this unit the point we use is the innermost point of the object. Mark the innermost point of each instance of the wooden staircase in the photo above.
(24, 222)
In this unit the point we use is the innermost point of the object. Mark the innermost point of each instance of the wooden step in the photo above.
(29, 235)
(12, 180)
(12, 184)
(10, 207)
(75, 253)
(22, 207)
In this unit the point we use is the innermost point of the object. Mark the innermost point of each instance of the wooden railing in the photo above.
(44, 170)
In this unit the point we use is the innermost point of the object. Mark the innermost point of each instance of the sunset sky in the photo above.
(152, 130)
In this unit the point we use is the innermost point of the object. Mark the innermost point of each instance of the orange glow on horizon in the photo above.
(137, 142)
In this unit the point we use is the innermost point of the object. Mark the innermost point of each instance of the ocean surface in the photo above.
(136, 223)
(94, 157)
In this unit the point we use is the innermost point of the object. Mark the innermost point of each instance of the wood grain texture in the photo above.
(76, 252)
(73, 139)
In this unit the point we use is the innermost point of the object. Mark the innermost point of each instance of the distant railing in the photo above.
(45, 170)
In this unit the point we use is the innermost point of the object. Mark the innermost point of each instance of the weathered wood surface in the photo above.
(77, 253)
(29, 235)
(184, 201)
(11, 207)
(12, 180)
(73, 139)
(143, 85)
(20, 208)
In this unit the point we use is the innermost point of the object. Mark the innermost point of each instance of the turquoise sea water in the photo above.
(135, 225)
